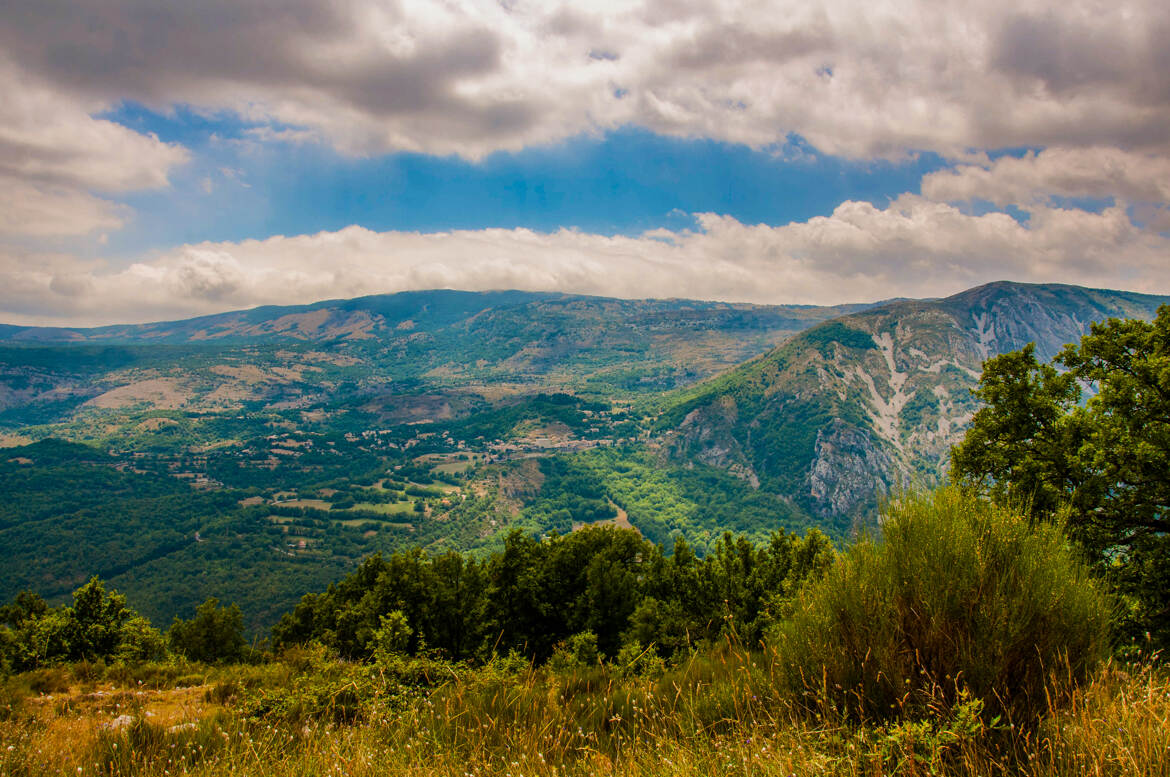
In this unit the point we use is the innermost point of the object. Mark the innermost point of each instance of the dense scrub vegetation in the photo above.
(961, 598)
(1008, 624)
(536, 594)
(998, 679)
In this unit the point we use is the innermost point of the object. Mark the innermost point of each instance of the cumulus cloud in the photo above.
(55, 158)
(49, 210)
(1100, 173)
(470, 77)
(913, 247)
(1083, 80)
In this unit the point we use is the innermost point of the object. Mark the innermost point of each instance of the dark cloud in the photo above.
(860, 80)
(734, 44)
(1064, 55)
(477, 77)
(144, 49)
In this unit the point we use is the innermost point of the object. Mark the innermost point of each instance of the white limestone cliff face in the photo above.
(847, 470)
(889, 391)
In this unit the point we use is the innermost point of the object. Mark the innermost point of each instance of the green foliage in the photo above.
(70, 515)
(1019, 443)
(315, 686)
(572, 493)
(214, 635)
(960, 595)
(578, 651)
(93, 625)
(661, 501)
(141, 642)
(392, 635)
(499, 423)
(638, 660)
(823, 337)
(1107, 460)
(319, 689)
(98, 626)
(601, 585)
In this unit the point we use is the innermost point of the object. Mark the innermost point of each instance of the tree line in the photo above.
(537, 593)
(98, 626)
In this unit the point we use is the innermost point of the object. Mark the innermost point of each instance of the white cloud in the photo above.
(1084, 78)
(914, 247)
(470, 77)
(50, 136)
(48, 210)
(1100, 172)
(54, 156)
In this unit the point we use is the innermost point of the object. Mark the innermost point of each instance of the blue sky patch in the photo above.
(625, 182)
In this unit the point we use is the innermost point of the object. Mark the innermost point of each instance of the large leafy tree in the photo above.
(1106, 461)
(97, 626)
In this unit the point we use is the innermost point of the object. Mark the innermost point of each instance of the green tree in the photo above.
(1107, 460)
(141, 641)
(392, 636)
(27, 606)
(93, 625)
(97, 626)
(214, 635)
(1018, 446)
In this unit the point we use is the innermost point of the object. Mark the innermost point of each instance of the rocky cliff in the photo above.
(844, 411)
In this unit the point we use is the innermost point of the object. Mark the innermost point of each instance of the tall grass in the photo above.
(965, 642)
(705, 717)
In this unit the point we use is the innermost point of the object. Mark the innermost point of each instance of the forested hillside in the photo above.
(260, 455)
(843, 412)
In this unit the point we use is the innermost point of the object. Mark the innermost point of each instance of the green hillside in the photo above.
(260, 465)
(850, 408)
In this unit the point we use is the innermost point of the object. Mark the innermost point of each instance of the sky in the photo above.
(162, 159)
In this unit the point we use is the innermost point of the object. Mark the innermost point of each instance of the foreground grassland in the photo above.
(967, 640)
(718, 713)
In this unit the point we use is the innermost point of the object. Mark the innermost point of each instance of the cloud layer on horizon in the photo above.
(914, 247)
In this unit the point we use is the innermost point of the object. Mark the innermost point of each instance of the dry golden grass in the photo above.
(711, 717)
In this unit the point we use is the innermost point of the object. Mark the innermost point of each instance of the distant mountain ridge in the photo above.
(843, 403)
(844, 410)
(373, 350)
(390, 314)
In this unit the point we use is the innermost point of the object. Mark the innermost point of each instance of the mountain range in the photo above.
(260, 454)
(844, 411)
(375, 350)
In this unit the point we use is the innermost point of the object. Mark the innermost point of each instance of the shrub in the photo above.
(960, 595)
(579, 650)
(215, 634)
(636, 660)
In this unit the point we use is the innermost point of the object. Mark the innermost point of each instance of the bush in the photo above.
(960, 596)
(579, 650)
(215, 634)
(634, 660)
